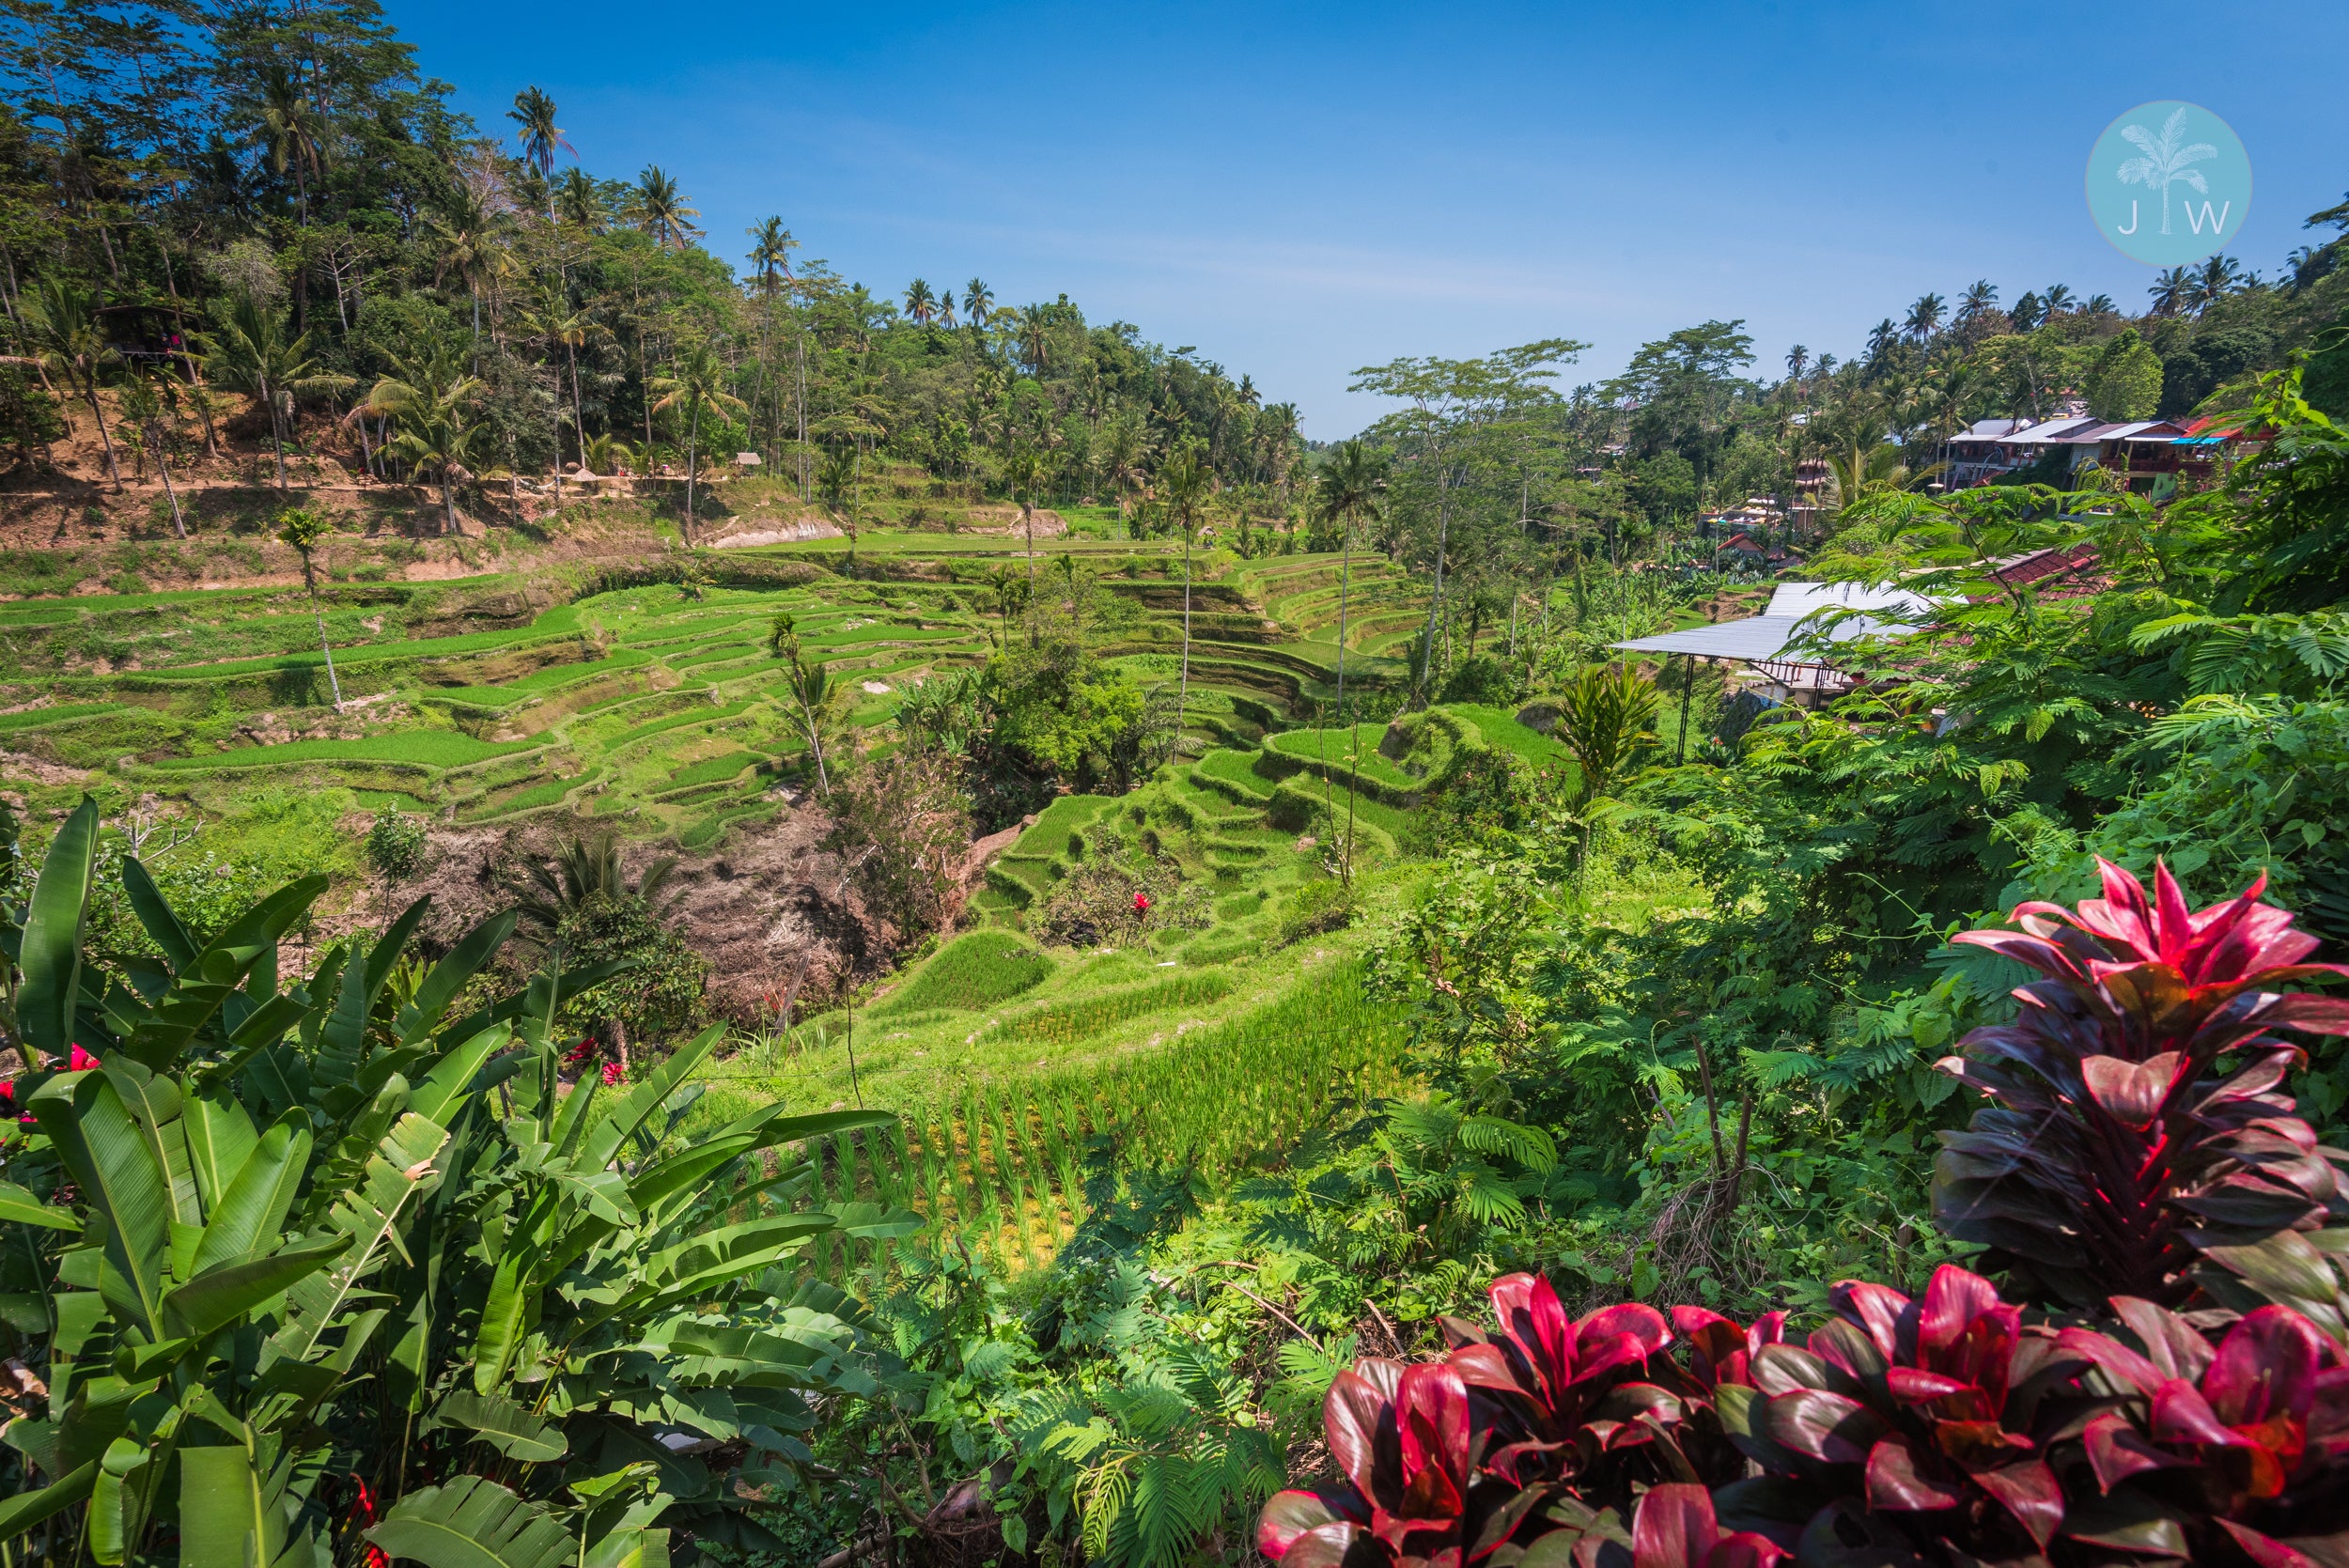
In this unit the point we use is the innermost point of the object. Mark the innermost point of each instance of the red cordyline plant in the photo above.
(2137, 1124)
(1940, 1430)
(2116, 1149)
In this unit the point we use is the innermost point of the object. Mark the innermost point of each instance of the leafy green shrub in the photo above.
(395, 844)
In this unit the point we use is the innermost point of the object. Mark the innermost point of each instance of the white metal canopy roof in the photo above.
(1767, 636)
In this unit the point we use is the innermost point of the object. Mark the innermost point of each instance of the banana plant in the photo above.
(274, 1255)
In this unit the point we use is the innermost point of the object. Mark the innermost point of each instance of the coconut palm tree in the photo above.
(2217, 279)
(770, 253)
(292, 132)
(978, 304)
(1124, 448)
(660, 208)
(61, 319)
(1184, 480)
(2057, 299)
(2173, 291)
(577, 201)
(533, 111)
(1864, 470)
(1924, 317)
(696, 381)
(1980, 296)
(2165, 159)
(1881, 338)
(560, 322)
(432, 396)
(250, 353)
(921, 305)
(837, 481)
(465, 234)
(303, 527)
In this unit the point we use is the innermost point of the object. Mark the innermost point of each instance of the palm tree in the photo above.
(660, 208)
(533, 111)
(770, 253)
(978, 302)
(1603, 719)
(837, 481)
(1024, 471)
(560, 324)
(696, 381)
(810, 685)
(2219, 278)
(2059, 299)
(1351, 484)
(921, 305)
(582, 875)
(465, 233)
(1036, 340)
(1124, 447)
(430, 397)
(67, 338)
(1797, 361)
(1864, 471)
(1980, 296)
(2098, 304)
(946, 308)
(303, 527)
(1184, 479)
(250, 354)
(2173, 291)
(2164, 159)
(291, 132)
(1924, 317)
(1881, 338)
(577, 201)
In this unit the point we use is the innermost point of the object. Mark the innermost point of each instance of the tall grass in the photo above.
(1001, 1167)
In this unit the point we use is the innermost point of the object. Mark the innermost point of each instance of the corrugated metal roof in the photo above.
(1756, 637)
(1797, 599)
(2053, 431)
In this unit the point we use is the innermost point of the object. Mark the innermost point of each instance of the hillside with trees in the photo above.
(657, 907)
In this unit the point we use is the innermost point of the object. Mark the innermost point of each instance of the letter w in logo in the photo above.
(2196, 220)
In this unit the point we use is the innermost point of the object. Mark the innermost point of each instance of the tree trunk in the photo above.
(325, 647)
(1182, 696)
(162, 466)
(448, 506)
(692, 463)
(98, 415)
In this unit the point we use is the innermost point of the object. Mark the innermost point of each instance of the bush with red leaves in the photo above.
(2136, 1127)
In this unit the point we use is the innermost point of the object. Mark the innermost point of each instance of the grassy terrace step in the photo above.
(418, 748)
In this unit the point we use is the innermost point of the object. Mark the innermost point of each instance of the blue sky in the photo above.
(1298, 191)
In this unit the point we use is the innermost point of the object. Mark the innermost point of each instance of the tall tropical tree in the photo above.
(2219, 277)
(1351, 484)
(1924, 317)
(431, 398)
(1979, 298)
(920, 304)
(2057, 299)
(62, 320)
(1124, 448)
(837, 481)
(533, 111)
(1184, 480)
(251, 353)
(696, 381)
(466, 237)
(303, 528)
(292, 132)
(770, 254)
(577, 202)
(2173, 291)
(978, 302)
(660, 208)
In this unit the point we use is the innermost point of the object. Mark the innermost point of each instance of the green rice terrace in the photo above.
(652, 703)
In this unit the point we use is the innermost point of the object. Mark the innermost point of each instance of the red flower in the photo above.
(81, 1061)
(613, 1073)
(1142, 902)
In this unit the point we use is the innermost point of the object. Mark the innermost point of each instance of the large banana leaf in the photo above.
(147, 902)
(112, 1163)
(20, 1207)
(220, 1295)
(472, 1523)
(247, 949)
(227, 1517)
(502, 1423)
(28, 1509)
(50, 955)
(400, 1171)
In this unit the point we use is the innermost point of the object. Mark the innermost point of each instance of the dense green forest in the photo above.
(1052, 973)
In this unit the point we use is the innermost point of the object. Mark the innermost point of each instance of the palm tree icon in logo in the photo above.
(2164, 161)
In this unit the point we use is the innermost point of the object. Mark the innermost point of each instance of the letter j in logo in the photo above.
(2169, 184)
